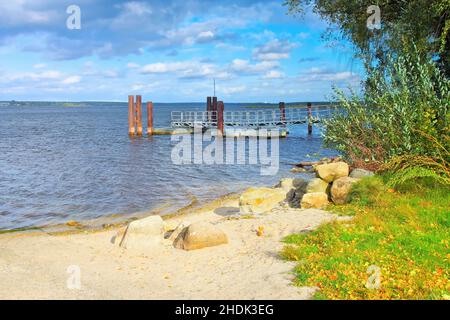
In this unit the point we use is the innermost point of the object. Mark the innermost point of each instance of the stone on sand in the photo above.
(143, 233)
(260, 200)
(341, 188)
(332, 171)
(200, 235)
(317, 185)
(316, 200)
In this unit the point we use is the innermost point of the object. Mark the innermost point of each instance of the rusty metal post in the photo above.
(220, 123)
(149, 118)
(283, 112)
(131, 116)
(310, 124)
(208, 107)
(139, 115)
(214, 107)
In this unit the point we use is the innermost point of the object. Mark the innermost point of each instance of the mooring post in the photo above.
(139, 115)
(149, 118)
(208, 107)
(310, 124)
(283, 112)
(220, 124)
(214, 108)
(131, 116)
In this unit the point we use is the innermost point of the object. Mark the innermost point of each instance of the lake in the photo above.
(61, 162)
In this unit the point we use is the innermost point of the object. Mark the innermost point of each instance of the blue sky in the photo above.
(168, 51)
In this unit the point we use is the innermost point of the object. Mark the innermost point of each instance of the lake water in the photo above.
(62, 162)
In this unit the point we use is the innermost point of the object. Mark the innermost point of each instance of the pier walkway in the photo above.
(250, 119)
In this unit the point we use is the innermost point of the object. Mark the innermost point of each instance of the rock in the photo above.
(332, 171)
(260, 200)
(361, 173)
(341, 189)
(73, 223)
(200, 235)
(298, 170)
(317, 185)
(286, 184)
(143, 233)
(315, 200)
(170, 225)
(294, 197)
(178, 230)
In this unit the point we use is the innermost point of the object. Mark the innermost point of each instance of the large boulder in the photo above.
(143, 233)
(341, 188)
(260, 200)
(360, 173)
(200, 235)
(316, 200)
(317, 185)
(286, 184)
(294, 197)
(332, 171)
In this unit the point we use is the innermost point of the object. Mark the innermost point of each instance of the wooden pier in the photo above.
(215, 117)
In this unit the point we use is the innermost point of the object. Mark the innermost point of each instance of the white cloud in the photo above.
(232, 90)
(273, 50)
(71, 80)
(244, 66)
(274, 74)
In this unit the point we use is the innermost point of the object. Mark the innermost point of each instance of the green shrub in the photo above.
(367, 191)
(411, 95)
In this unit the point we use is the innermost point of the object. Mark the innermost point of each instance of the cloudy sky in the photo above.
(168, 51)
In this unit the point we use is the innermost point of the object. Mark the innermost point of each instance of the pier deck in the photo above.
(249, 119)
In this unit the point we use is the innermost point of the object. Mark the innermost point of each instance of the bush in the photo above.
(403, 112)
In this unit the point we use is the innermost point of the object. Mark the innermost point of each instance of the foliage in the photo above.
(413, 167)
(405, 235)
(409, 97)
(427, 22)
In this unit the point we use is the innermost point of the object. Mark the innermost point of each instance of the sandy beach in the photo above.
(36, 265)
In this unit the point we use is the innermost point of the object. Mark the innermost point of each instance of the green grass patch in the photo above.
(404, 234)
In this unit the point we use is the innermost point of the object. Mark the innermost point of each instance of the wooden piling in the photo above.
(149, 118)
(310, 128)
(214, 107)
(220, 122)
(139, 115)
(208, 107)
(131, 116)
(283, 112)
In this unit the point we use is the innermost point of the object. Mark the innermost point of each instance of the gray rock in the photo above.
(294, 197)
(361, 173)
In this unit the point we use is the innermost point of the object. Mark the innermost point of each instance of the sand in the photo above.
(37, 265)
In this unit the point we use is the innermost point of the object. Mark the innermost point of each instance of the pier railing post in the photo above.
(310, 120)
(220, 122)
(131, 116)
(139, 115)
(149, 118)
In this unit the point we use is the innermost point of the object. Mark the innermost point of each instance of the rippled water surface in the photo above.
(61, 162)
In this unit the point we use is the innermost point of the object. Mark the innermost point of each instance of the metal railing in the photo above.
(252, 118)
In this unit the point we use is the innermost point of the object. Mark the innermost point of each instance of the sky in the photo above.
(168, 51)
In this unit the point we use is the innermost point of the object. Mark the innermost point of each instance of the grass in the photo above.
(404, 233)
